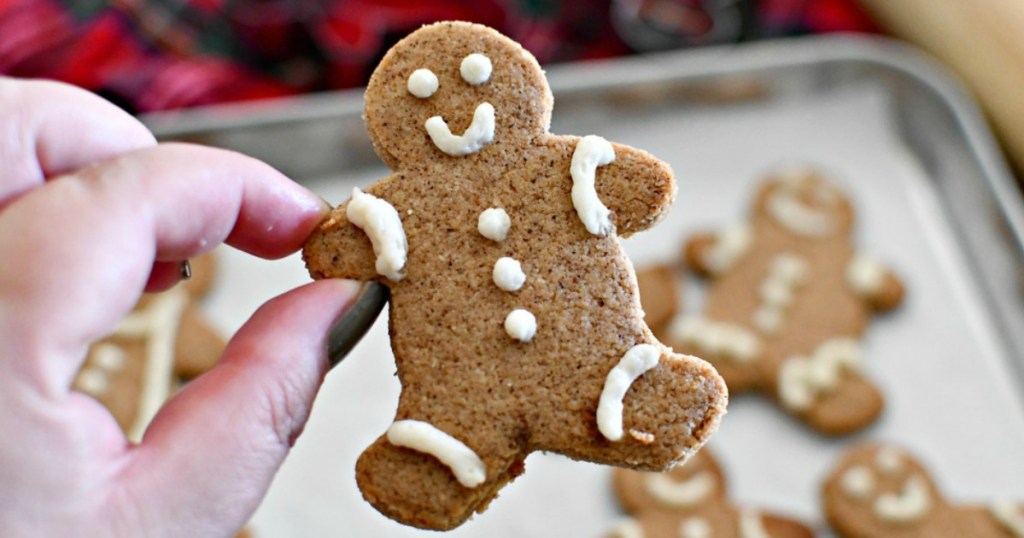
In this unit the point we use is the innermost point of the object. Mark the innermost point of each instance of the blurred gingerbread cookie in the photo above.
(789, 298)
(881, 491)
(164, 340)
(691, 501)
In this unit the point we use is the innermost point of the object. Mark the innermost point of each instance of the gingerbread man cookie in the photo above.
(514, 315)
(788, 301)
(690, 501)
(164, 340)
(881, 491)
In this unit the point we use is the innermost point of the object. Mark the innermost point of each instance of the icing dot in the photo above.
(695, 527)
(422, 83)
(888, 460)
(858, 482)
(108, 357)
(508, 274)
(494, 224)
(475, 69)
(521, 325)
(93, 381)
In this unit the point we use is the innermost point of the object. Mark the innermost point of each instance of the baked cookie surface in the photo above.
(514, 320)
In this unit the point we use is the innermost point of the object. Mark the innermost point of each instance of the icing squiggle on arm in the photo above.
(477, 135)
(421, 436)
(591, 151)
(383, 226)
(634, 363)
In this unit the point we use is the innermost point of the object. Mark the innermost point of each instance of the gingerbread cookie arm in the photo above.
(637, 188)
(875, 283)
(339, 248)
(710, 254)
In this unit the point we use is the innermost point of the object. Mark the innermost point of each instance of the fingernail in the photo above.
(349, 330)
(185, 268)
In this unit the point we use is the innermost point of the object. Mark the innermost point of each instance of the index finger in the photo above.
(83, 244)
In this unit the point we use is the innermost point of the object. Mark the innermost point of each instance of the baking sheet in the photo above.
(943, 359)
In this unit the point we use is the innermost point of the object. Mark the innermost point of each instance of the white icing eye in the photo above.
(422, 83)
(476, 69)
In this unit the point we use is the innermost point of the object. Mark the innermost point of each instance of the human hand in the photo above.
(92, 212)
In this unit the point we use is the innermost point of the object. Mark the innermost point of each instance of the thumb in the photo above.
(208, 457)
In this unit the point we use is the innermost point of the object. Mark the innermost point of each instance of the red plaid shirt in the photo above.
(148, 55)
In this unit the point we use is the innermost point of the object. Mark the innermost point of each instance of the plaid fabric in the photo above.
(148, 55)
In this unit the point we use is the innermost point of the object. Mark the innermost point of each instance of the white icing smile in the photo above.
(680, 494)
(910, 504)
(477, 135)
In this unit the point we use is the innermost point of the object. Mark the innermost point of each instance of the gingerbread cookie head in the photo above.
(798, 201)
(882, 491)
(691, 501)
(455, 89)
(515, 319)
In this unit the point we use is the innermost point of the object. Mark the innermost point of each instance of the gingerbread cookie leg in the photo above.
(826, 390)
(655, 409)
(432, 481)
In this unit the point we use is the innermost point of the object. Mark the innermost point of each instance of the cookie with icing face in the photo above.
(164, 341)
(789, 298)
(691, 501)
(514, 317)
(882, 491)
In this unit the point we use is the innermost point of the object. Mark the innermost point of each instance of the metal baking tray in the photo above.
(934, 200)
